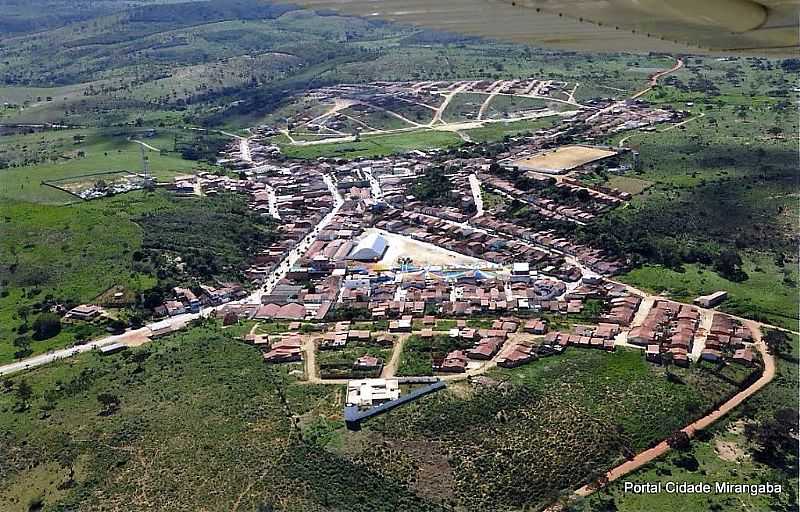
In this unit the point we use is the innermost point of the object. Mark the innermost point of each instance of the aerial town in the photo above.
(420, 292)
(392, 256)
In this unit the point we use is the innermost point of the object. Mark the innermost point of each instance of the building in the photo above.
(85, 312)
(368, 392)
(371, 248)
(709, 301)
(112, 348)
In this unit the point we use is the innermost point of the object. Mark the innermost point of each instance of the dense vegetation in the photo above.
(191, 422)
(72, 254)
(213, 237)
(575, 415)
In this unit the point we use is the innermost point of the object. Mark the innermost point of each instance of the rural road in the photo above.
(663, 447)
(655, 76)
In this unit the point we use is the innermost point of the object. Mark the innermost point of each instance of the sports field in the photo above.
(563, 159)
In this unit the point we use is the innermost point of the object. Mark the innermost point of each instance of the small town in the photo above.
(372, 286)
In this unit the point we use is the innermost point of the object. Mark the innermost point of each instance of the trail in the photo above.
(390, 369)
(437, 116)
(655, 76)
(495, 88)
(148, 146)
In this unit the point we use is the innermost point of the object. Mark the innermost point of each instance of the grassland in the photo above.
(65, 253)
(99, 153)
(72, 254)
(769, 293)
(574, 415)
(496, 131)
(376, 145)
(723, 454)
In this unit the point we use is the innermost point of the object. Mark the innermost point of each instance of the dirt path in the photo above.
(437, 116)
(310, 360)
(660, 449)
(495, 88)
(390, 369)
(655, 76)
(148, 146)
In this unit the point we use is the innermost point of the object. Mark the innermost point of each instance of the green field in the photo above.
(71, 254)
(496, 131)
(101, 153)
(723, 454)
(769, 294)
(574, 414)
(65, 253)
(376, 145)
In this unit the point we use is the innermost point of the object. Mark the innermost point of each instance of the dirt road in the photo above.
(390, 369)
(660, 449)
(655, 76)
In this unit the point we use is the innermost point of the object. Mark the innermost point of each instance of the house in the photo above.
(743, 356)
(710, 354)
(401, 325)
(291, 311)
(516, 354)
(174, 307)
(369, 392)
(653, 354)
(536, 326)
(368, 363)
(286, 350)
(453, 362)
(680, 357)
(709, 301)
(161, 328)
(85, 312)
(112, 348)
(485, 349)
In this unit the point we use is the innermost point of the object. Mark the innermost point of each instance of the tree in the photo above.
(776, 440)
(24, 391)
(679, 441)
(777, 342)
(46, 326)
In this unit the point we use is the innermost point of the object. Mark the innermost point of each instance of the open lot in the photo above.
(563, 159)
(422, 254)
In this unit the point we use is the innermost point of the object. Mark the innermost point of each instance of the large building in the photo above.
(370, 248)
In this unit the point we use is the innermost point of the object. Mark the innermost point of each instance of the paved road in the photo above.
(475, 186)
(55, 355)
(295, 254)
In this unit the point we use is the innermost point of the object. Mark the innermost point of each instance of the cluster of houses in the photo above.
(185, 300)
(668, 328)
(278, 349)
(486, 343)
(726, 340)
